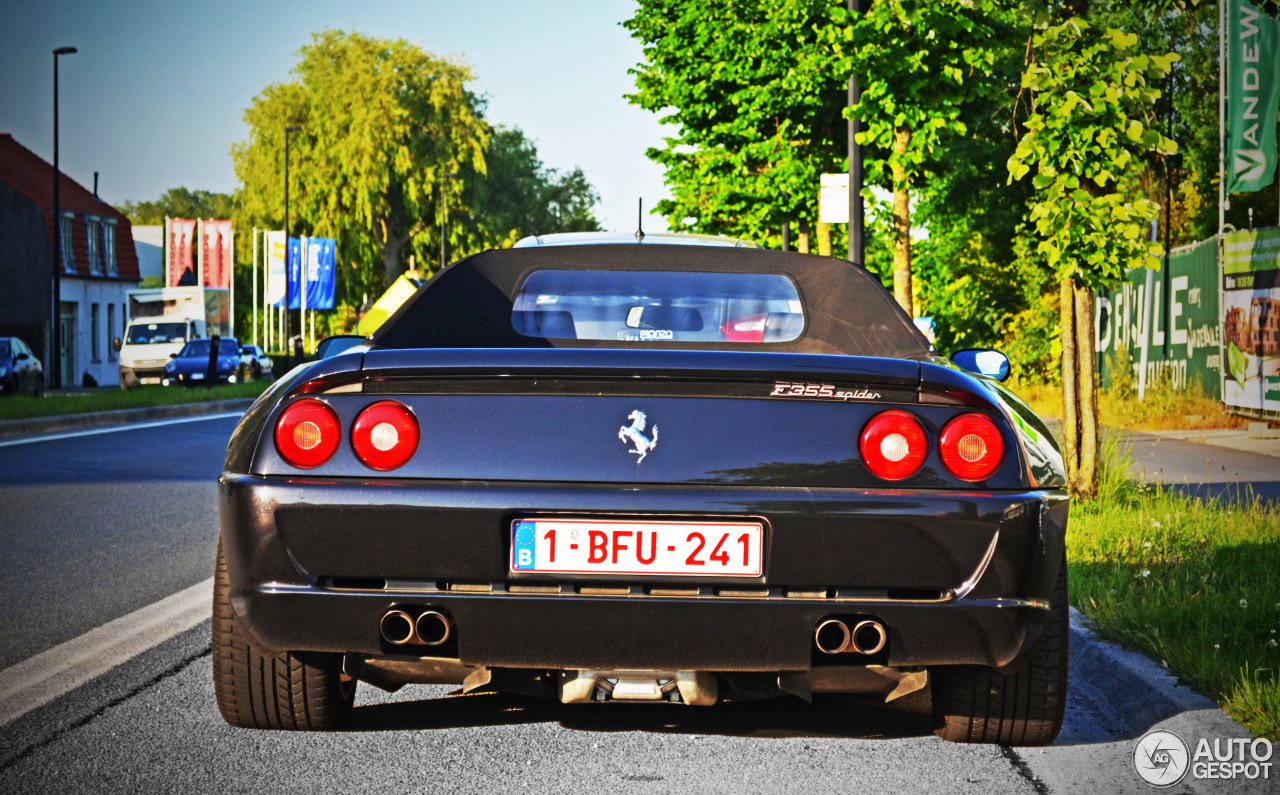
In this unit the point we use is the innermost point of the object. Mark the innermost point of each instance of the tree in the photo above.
(921, 64)
(1085, 141)
(181, 203)
(755, 92)
(384, 126)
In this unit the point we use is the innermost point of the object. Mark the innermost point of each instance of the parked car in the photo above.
(255, 361)
(190, 366)
(20, 370)
(656, 473)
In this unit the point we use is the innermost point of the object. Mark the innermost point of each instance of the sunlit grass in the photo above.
(22, 407)
(1163, 409)
(1192, 583)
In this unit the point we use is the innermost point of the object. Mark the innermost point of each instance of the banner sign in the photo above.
(1251, 319)
(180, 241)
(320, 272)
(1184, 322)
(215, 253)
(1253, 96)
(275, 267)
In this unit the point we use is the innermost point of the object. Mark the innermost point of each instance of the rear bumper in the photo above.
(957, 578)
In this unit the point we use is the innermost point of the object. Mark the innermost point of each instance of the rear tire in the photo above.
(38, 391)
(303, 691)
(975, 704)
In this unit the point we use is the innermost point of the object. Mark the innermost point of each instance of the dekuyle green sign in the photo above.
(1251, 319)
(1253, 95)
(1183, 341)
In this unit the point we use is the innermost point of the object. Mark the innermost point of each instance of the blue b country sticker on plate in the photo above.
(522, 546)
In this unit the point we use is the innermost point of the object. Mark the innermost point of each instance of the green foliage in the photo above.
(181, 203)
(755, 92)
(1085, 138)
(151, 281)
(383, 124)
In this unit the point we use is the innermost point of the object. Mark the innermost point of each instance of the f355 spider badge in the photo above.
(635, 433)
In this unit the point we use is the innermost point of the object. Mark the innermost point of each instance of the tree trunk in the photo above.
(824, 239)
(902, 222)
(1079, 388)
(802, 240)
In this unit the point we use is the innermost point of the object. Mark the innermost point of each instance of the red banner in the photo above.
(215, 257)
(180, 247)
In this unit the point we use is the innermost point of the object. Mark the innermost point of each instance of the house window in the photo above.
(109, 246)
(94, 317)
(111, 332)
(68, 250)
(93, 240)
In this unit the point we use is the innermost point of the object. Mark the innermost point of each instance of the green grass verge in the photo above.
(25, 407)
(1194, 584)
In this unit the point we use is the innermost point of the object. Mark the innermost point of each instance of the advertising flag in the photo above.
(295, 273)
(275, 268)
(320, 272)
(180, 234)
(1253, 96)
(216, 253)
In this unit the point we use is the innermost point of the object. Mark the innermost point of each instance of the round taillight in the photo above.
(971, 447)
(893, 445)
(307, 433)
(385, 435)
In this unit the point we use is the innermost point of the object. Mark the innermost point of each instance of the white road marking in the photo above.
(117, 428)
(38, 680)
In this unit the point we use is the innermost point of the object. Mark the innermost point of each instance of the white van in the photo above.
(148, 344)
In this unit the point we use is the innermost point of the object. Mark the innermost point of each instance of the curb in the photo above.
(71, 422)
(1130, 687)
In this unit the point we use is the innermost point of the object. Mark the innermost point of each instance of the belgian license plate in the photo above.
(581, 546)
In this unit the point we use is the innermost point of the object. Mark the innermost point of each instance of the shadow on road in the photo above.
(829, 716)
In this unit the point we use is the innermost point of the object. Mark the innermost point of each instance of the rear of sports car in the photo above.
(680, 526)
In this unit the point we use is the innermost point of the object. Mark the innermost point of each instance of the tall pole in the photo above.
(856, 247)
(56, 317)
(1168, 224)
(444, 214)
(1222, 115)
(284, 315)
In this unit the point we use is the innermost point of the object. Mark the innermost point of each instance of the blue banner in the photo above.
(320, 276)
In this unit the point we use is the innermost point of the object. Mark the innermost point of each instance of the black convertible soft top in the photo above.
(469, 304)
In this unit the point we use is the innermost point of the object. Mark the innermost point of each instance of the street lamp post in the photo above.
(292, 128)
(56, 317)
(444, 216)
(856, 247)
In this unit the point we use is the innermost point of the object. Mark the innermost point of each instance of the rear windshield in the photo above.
(201, 348)
(147, 333)
(666, 306)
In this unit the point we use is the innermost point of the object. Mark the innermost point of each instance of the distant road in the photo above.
(1203, 469)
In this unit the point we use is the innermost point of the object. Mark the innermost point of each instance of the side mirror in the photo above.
(336, 344)
(173, 356)
(116, 344)
(983, 361)
(21, 356)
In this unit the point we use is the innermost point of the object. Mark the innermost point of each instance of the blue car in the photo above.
(191, 365)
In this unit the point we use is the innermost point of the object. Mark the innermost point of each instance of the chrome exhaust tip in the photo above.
(832, 636)
(868, 637)
(433, 628)
(396, 627)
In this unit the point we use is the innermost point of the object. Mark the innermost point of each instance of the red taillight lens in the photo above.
(744, 329)
(307, 433)
(893, 445)
(971, 447)
(385, 435)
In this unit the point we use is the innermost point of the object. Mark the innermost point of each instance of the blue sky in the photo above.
(154, 97)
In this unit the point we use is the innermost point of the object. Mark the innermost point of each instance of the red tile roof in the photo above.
(31, 176)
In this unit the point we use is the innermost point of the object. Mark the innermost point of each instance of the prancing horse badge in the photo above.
(635, 433)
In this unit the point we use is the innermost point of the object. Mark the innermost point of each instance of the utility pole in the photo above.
(56, 318)
(857, 253)
(292, 128)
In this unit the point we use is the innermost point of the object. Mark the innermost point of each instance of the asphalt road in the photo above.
(1204, 470)
(95, 527)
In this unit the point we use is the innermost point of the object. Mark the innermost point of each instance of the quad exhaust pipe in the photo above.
(834, 636)
(429, 628)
